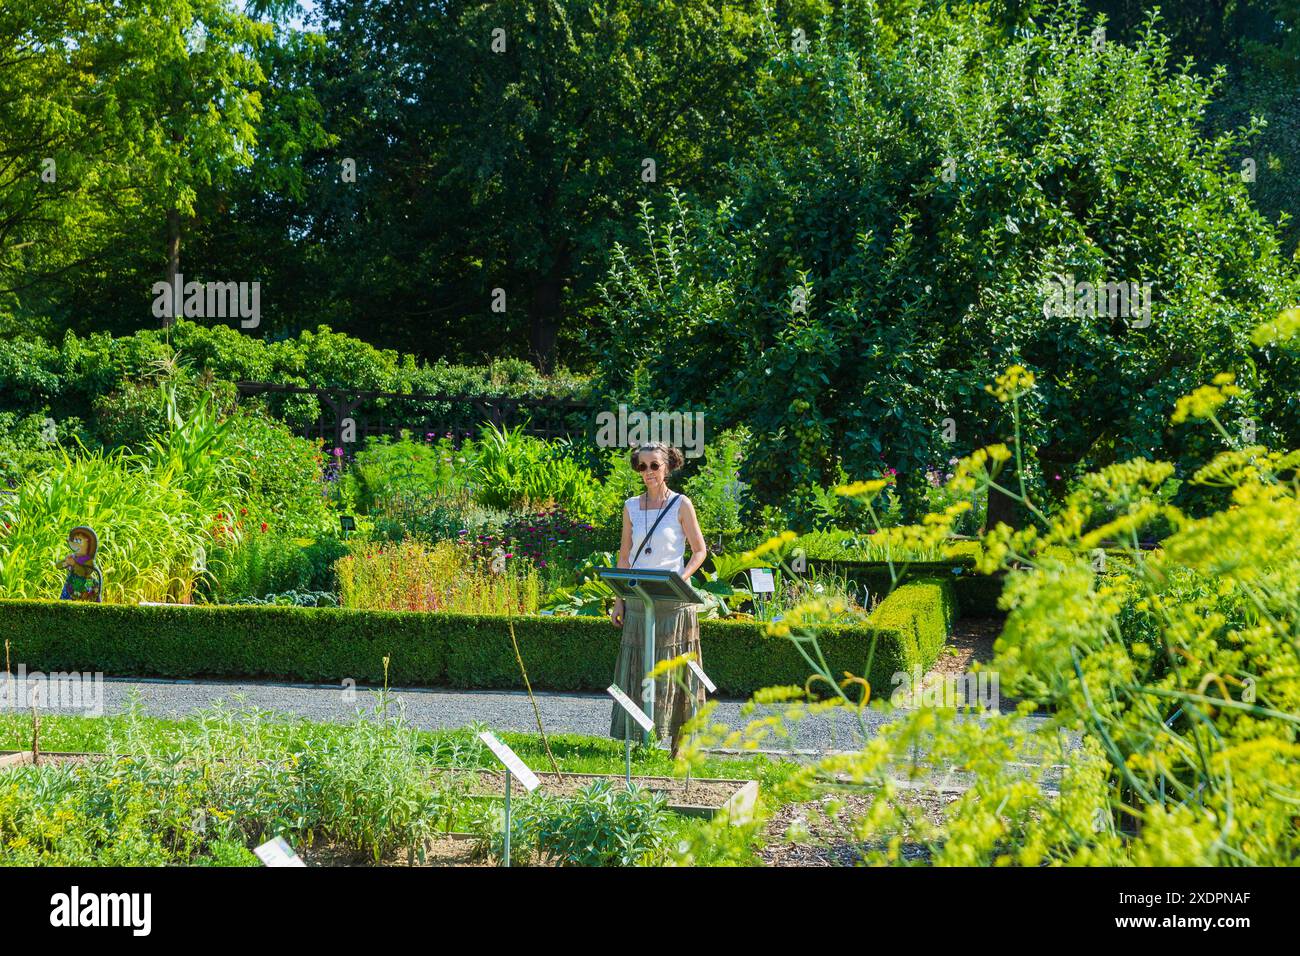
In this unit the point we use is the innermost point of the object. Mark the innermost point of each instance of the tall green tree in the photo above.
(117, 114)
(504, 146)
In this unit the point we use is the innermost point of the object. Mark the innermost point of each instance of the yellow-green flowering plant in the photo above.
(1172, 676)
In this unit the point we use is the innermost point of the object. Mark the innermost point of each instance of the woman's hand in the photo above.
(616, 613)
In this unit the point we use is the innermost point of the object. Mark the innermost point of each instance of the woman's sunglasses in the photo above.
(643, 465)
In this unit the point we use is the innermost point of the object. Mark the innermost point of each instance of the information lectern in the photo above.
(651, 588)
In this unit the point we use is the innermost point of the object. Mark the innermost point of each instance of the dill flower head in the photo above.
(863, 489)
(770, 545)
(1011, 384)
(1206, 400)
(669, 666)
(1282, 329)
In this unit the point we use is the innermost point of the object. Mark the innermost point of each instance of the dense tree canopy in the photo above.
(894, 238)
(469, 181)
(118, 117)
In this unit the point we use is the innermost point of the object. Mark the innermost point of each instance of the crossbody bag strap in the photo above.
(636, 553)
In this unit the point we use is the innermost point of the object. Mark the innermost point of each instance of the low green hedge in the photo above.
(977, 594)
(923, 612)
(327, 645)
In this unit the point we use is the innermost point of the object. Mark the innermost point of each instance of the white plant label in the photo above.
(278, 853)
(511, 760)
(698, 671)
(761, 580)
(630, 706)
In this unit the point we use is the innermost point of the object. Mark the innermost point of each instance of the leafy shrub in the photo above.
(514, 471)
(430, 519)
(284, 476)
(388, 471)
(255, 564)
(137, 410)
(28, 375)
(588, 595)
(228, 853)
(69, 378)
(261, 563)
(31, 443)
(600, 826)
(716, 489)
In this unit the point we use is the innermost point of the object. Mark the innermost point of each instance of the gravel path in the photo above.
(441, 708)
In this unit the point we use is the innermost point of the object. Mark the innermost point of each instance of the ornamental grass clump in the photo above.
(413, 577)
(157, 514)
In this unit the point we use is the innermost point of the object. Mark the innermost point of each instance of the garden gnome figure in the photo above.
(84, 582)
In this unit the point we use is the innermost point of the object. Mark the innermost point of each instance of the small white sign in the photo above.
(627, 704)
(511, 760)
(698, 671)
(760, 580)
(278, 853)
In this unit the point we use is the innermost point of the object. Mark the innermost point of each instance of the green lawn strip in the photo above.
(574, 753)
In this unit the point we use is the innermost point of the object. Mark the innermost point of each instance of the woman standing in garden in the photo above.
(657, 525)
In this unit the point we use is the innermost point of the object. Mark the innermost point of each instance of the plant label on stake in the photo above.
(698, 671)
(511, 760)
(761, 582)
(278, 853)
(631, 707)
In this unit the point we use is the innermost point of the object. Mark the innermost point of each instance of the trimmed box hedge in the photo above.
(923, 612)
(327, 645)
(977, 594)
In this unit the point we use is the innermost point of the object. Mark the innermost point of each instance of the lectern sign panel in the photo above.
(658, 585)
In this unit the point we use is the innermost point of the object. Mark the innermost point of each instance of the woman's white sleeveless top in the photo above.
(668, 543)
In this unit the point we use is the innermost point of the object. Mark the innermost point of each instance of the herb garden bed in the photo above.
(701, 797)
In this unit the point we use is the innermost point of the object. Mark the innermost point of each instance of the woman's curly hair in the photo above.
(673, 456)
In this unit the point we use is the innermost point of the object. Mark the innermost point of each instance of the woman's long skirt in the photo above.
(676, 632)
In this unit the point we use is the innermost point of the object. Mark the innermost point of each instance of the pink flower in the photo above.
(338, 452)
